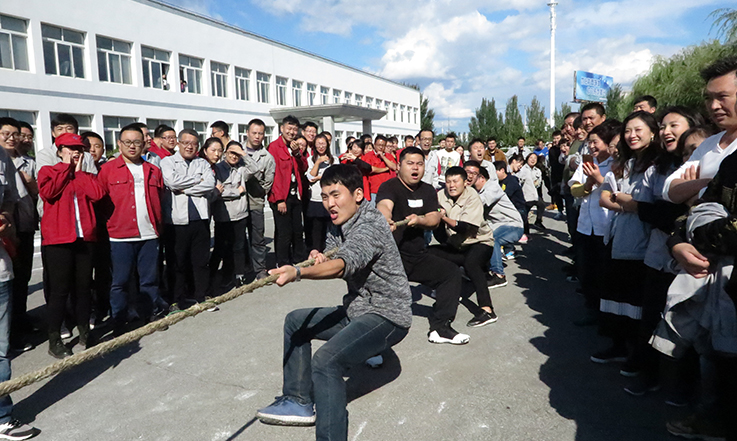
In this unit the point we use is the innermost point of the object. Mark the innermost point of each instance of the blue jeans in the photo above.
(504, 235)
(144, 256)
(6, 290)
(319, 379)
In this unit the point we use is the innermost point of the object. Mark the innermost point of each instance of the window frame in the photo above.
(14, 35)
(164, 67)
(76, 51)
(263, 84)
(242, 83)
(124, 60)
(184, 75)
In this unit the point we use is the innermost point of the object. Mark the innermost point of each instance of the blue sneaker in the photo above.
(286, 411)
(509, 256)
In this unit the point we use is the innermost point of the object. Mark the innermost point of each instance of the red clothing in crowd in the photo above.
(57, 186)
(364, 172)
(159, 151)
(117, 182)
(286, 165)
(375, 180)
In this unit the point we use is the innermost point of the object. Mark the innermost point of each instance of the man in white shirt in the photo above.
(448, 157)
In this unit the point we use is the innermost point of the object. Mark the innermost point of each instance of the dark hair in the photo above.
(600, 110)
(326, 133)
(257, 122)
(500, 165)
(327, 149)
(451, 135)
(409, 137)
(140, 126)
(191, 132)
(221, 125)
(135, 127)
(491, 138)
(556, 133)
(410, 151)
(87, 135)
(161, 129)
(233, 142)
(366, 136)
(517, 157)
(667, 160)
(522, 138)
(25, 125)
(607, 130)
(357, 142)
(456, 171)
(472, 163)
(350, 139)
(474, 141)
(380, 138)
(651, 101)
(484, 172)
(394, 139)
(208, 142)
(703, 131)
(577, 123)
(64, 118)
(647, 157)
(427, 130)
(347, 175)
(310, 124)
(570, 114)
(8, 121)
(694, 118)
(720, 68)
(290, 119)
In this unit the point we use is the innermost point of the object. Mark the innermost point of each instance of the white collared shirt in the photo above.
(593, 219)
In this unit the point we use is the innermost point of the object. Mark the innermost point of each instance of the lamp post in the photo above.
(552, 5)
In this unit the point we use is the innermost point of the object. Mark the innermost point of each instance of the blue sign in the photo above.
(590, 86)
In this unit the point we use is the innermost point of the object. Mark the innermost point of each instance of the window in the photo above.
(324, 94)
(13, 43)
(336, 96)
(112, 126)
(263, 81)
(359, 100)
(190, 74)
(394, 114)
(63, 51)
(84, 121)
(114, 60)
(338, 140)
(387, 108)
(268, 135)
(219, 79)
(415, 113)
(243, 134)
(348, 97)
(20, 115)
(242, 84)
(155, 65)
(296, 93)
(199, 127)
(152, 123)
(401, 113)
(369, 102)
(281, 91)
(311, 94)
(378, 104)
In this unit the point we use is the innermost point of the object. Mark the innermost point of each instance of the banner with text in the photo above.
(589, 86)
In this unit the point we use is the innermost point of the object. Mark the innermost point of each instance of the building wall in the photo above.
(160, 26)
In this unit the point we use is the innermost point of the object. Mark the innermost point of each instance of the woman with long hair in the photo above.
(317, 217)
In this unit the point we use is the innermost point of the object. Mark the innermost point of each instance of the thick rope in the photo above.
(10, 386)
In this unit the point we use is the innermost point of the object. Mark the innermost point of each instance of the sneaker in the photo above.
(21, 347)
(447, 334)
(629, 370)
(510, 255)
(375, 362)
(286, 411)
(65, 332)
(523, 239)
(677, 399)
(611, 355)
(496, 281)
(483, 319)
(696, 427)
(262, 275)
(640, 387)
(14, 429)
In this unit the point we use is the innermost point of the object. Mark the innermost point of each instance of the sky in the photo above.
(460, 51)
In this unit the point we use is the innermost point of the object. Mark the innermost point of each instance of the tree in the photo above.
(513, 125)
(725, 20)
(487, 122)
(615, 103)
(537, 123)
(676, 80)
(427, 115)
(559, 116)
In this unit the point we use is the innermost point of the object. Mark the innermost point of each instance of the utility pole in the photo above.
(552, 5)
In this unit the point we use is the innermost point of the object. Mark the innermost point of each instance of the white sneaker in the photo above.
(375, 362)
(448, 336)
(15, 430)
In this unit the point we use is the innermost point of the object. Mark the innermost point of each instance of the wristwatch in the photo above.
(299, 274)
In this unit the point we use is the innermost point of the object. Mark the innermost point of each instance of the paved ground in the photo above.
(526, 377)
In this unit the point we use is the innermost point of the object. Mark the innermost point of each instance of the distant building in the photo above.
(111, 63)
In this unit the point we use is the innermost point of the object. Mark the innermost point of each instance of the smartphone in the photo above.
(588, 158)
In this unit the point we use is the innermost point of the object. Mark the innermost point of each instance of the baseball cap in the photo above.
(70, 140)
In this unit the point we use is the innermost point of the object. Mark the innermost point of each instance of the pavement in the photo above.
(525, 377)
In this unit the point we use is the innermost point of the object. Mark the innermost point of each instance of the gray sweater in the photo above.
(373, 271)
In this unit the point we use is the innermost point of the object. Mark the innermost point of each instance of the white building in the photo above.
(110, 63)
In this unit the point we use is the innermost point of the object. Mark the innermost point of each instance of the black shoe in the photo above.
(21, 347)
(482, 319)
(640, 386)
(240, 281)
(56, 347)
(496, 281)
(446, 334)
(611, 355)
(540, 226)
(629, 369)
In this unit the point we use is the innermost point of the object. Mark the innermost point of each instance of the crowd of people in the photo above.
(126, 239)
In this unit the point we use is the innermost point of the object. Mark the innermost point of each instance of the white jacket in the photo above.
(186, 181)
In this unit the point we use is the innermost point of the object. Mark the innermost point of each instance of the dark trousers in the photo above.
(442, 276)
(168, 270)
(593, 260)
(191, 253)
(22, 269)
(319, 378)
(230, 248)
(69, 277)
(257, 242)
(141, 256)
(317, 219)
(288, 233)
(571, 217)
(540, 214)
(475, 260)
(102, 266)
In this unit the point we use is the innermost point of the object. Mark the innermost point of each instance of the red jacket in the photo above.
(286, 164)
(366, 193)
(117, 182)
(375, 180)
(57, 186)
(159, 151)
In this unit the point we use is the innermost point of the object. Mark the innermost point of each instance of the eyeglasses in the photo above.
(129, 143)
(26, 137)
(190, 143)
(8, 135)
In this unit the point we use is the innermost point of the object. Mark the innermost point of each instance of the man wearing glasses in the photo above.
(163, 144)
(186, 212)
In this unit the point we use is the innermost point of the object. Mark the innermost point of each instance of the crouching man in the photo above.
(375, 314)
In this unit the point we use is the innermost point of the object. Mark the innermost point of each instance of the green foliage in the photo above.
(559, 116)
(537, 123)
(725, 20)
(427, 115)
(513, 125)
(615, 103)
(676, 80)
(487, 122)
